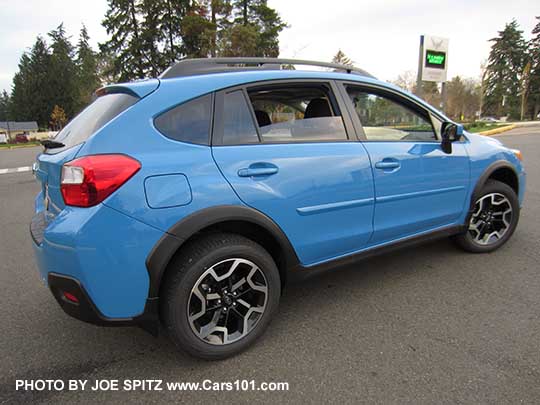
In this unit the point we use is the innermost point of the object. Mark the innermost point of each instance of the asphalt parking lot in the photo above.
(429, 324)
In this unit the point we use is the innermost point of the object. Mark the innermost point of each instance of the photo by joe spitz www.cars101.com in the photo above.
(186, 203)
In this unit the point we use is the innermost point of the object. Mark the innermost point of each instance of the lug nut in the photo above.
(225, 309)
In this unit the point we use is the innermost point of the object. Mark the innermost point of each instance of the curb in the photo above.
(497, 130)
(18, 146)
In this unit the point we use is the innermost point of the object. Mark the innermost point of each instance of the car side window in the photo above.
(238, 125)
(385, 119)
(297, 113)
(188, 122)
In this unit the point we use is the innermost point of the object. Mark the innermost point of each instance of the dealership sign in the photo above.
(434, 51)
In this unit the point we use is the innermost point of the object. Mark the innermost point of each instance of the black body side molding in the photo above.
(171, 241)
(301, 272)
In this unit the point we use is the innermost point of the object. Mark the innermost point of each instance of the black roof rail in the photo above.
(191, 67)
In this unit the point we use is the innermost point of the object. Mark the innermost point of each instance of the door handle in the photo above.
(258, 170)
(387, 164)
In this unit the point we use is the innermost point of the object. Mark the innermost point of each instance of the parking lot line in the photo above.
(16, 170)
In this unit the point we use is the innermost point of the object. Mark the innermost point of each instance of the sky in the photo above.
(381, 36)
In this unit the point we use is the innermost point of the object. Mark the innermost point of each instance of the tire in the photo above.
(189, 278)
(492, 192)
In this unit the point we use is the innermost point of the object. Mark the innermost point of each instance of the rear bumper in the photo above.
(85, 310)
(100, 254)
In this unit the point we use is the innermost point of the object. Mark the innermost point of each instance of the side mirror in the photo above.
(450, 132)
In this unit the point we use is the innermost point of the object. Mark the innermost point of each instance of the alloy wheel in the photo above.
(227, 301)
(491, 219)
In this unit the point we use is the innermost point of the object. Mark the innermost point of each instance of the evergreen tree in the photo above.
(269, 24)
(22, 87)
(87, 75)
(59, 74)
(32, 86)
(62, 73)
(151, 36)
(259, 24)
(105, 68)
(239, 40)
(169, 15)
(220, 11)
(534, 81)
(342, 59)
(147, 36)
(502, 86)
(197, 33)
(242, 10)
(4, 106)
(125, 45)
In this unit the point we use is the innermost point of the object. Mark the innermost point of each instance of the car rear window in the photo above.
(188, 122)
(92, 118)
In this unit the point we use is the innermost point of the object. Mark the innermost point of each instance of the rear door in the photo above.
(418, 187)
(285, 150)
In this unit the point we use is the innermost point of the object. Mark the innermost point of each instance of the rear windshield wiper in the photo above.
(50, 144)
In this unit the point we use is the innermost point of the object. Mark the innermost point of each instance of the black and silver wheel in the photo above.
(493, 219)
(227, 301)
(220, 294)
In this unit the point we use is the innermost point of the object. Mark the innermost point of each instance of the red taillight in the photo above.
(89, 180)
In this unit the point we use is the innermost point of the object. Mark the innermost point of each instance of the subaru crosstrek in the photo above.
(190, 200)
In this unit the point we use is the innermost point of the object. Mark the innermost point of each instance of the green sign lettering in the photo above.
(435, 59)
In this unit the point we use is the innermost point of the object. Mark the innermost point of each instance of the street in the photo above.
(429, 324)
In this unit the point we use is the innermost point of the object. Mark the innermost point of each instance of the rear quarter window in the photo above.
(92, 118)
(188, 122)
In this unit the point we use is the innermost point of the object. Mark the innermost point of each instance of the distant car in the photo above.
(488, 119)
(3, 138)
(191, 200)
(21, 138)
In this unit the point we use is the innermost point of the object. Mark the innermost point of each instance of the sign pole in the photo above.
(443, 96)
(420, 64)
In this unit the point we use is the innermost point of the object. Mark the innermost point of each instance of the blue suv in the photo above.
(190, 200)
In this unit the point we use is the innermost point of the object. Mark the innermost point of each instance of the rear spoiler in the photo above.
(138, 89)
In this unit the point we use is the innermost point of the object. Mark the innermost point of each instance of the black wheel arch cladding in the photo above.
(170, 243)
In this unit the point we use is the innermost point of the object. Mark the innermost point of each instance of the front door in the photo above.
(418, 187)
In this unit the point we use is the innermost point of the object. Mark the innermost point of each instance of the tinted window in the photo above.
(238, 125)
(384, 119)
(92, 118)
(188, 122)
(297, 113)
